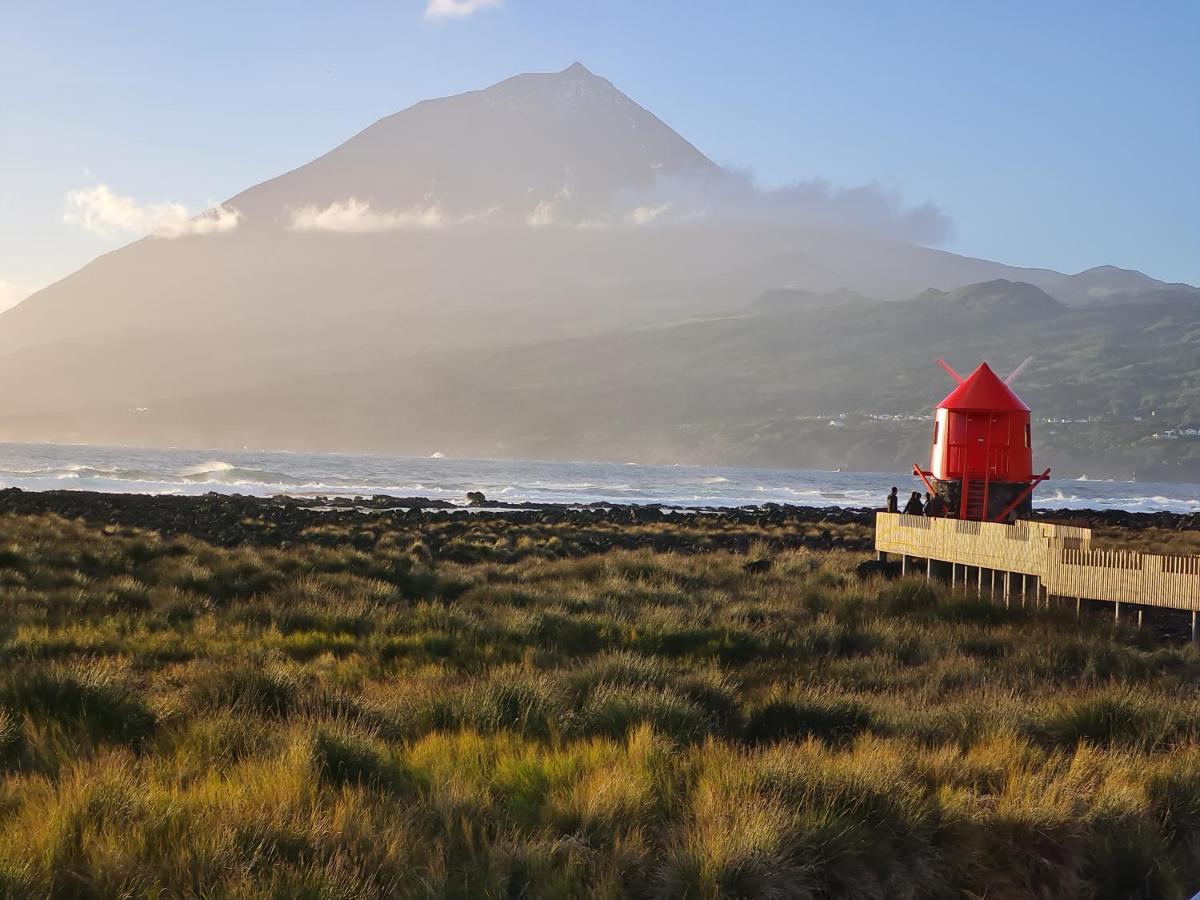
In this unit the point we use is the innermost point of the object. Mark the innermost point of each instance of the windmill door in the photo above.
(976, 450)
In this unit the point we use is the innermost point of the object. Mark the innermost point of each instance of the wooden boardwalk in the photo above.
(1050, 560)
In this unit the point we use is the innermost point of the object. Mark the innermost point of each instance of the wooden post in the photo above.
(1078, 607)
(903, 564)
(1195, 627)
(953, 575)
(1139, 618)
(979, 571)
(929, 569)
(1117, 611)
(1007, 589)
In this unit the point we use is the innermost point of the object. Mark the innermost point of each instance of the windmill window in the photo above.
(1027, 441)
(935, 430)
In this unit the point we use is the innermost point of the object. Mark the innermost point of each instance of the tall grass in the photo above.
(371, 720)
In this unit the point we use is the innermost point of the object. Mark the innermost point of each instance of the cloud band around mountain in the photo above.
(674, 201)
(104, 212)
(731, 196)
(357, 217)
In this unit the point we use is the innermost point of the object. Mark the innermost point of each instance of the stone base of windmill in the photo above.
(1000, 495)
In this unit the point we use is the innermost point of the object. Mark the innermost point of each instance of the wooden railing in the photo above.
(1061, 556)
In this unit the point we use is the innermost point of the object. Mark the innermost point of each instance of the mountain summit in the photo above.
(534, 149)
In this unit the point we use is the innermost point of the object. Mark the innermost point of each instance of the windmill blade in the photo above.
(1017, 371)
(945, 365)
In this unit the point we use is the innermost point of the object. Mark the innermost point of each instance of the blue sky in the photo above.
(1054, 134)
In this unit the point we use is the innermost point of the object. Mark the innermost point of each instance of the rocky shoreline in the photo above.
(230, 520)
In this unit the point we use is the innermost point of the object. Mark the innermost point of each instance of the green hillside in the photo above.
(763, 387)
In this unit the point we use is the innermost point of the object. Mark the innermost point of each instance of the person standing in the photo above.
(935, 506)
(893, 500)
(913, 507)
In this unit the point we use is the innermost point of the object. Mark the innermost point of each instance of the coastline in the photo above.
(268, 474)
(233, 519)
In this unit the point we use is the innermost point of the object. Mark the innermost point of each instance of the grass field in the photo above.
(370, 720)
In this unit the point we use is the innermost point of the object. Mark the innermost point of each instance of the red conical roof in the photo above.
(983, 389)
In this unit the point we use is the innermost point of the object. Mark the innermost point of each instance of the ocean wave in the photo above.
(236, 475)
(83, 473)
(205, 468)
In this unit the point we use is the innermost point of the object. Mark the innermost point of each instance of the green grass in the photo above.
(536, 721)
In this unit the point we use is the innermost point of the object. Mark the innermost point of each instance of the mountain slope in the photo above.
(508, 271)
(999, 297)
(1112, 286)
(565, 144)
(846, 383)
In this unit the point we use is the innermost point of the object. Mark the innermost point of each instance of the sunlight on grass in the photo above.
(181, 720)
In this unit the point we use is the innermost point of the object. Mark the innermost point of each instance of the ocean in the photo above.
(38, 467)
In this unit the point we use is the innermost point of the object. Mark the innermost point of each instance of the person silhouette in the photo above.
(935, 506)
(893, 500)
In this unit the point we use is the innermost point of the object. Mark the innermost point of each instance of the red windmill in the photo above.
(982, 461)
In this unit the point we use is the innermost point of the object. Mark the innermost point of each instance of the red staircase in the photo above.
(974, 501)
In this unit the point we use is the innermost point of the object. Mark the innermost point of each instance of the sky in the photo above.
(1064, 135)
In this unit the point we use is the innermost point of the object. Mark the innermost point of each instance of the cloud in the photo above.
(10, 295)
(872, 208)
(732, 196)
(641, 215)
(103, 212)
(458, 9)
(550, 212)
(357, 217)
(542, 215)
(726, 196)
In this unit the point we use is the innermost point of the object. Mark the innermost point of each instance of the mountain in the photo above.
(534, 148)
(998, 297)
(789, 300)
(1111, 286)
(544, 268)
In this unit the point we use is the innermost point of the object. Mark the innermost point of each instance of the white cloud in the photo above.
(10, 295)
(212, 221)
(357, 217)
(730, 195)
(458, 9)
(543, 214)
(100, 210)
(643, 214)
(547, 212)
